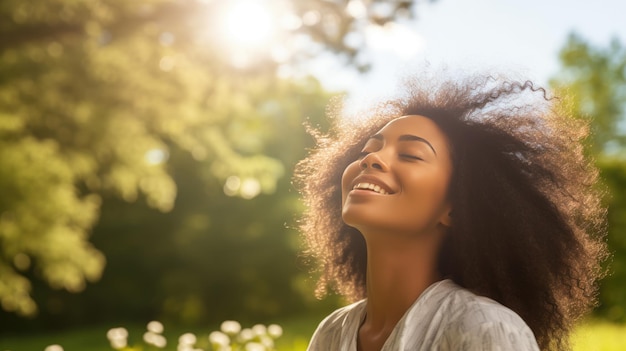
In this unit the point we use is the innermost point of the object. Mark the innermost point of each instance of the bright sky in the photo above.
(524, 36)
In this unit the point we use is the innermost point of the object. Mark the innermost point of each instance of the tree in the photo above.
(94, 95)
(595, 78)
(216, 255)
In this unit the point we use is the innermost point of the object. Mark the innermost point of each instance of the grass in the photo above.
(591, 336)
(599, 336)
(88, 339)
(296, 334)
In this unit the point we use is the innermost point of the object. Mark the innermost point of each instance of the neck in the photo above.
(399, 269)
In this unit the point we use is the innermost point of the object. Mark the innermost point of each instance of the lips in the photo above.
(372, 184)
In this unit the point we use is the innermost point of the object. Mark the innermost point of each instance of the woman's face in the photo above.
(400, 182)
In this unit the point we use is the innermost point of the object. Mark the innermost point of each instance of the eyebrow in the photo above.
(407, 137)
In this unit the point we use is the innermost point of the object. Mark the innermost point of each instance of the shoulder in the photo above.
(335, 325)
(478, 323)
(471, 308)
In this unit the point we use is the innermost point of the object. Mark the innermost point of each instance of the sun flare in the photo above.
(247, 24)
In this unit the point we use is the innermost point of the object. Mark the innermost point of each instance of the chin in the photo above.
(355, 220)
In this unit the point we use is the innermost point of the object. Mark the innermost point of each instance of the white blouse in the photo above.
(444, 317)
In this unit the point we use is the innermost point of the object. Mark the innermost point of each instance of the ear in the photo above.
(446, 218)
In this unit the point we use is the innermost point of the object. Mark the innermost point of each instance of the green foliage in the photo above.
(42, 217)
(96, 94)
(595, 78)
(612, 297)
(213, 256)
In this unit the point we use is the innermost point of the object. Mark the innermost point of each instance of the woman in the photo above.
(462, 216)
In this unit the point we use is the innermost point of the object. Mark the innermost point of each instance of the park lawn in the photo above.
(296, 334)
(591, 336)
(599, 336)
(88, 339)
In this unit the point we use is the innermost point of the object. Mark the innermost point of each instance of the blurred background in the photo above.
(147, 147)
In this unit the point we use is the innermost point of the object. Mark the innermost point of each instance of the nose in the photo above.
(373, 160)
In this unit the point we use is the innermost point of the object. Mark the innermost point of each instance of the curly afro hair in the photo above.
(527, 223)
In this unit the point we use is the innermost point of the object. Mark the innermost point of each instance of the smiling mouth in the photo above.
(372, 187)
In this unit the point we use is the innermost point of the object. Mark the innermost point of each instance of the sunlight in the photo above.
(156, 156)
(247, 23)
(395, 38)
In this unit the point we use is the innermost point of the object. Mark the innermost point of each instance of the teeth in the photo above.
(372, 187)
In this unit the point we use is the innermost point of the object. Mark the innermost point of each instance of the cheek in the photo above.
(426, 190)
(348, 176)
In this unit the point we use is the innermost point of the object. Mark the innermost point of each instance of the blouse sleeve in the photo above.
(492, 330)
(491, 336)
(336, 330)
(323, 336)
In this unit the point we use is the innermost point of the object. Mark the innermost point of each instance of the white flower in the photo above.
(219, 338)
(155, 327)
(117, 337)
(117, 333)
(148, 337)
(259, 329)
(187, 339)
(157, 340)
(255, 346)
(230, 327)
(266, 341)
(53, 348)
(275, 331)
(118, 344)
(245, 335)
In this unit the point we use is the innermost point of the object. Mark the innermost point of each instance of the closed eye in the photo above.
(363, 154)
(411, 157)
